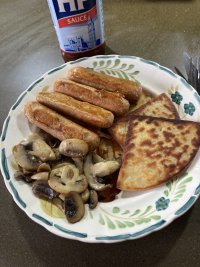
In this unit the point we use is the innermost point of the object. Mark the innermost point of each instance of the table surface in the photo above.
(156, 30)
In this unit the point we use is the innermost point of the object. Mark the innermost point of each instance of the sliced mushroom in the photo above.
(106, 149)
(96, 158)
(44, 167)
(79, 164)
(24, 159)
(73, 148)
(42, 189)
(40, 149)
(62, 196)
(85, 195)
(57, 153)
(66, 179)
(40, 176)
(26, 177)
(59, 203)
(92, 180)
(93, 200)
(102, 169)
(117, 152)
(60, 163)
(74, 207)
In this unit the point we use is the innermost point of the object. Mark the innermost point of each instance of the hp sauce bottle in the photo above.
(79, 27)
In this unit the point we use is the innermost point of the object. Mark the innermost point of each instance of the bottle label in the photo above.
(78, 23)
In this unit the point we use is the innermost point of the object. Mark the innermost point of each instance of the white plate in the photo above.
(132, 215)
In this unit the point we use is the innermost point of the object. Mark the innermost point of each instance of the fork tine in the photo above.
(198, 78)
(187, 60)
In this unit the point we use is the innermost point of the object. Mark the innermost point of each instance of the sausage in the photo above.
(130, 89)
(57, 125)
(114, 102)
(83, 111)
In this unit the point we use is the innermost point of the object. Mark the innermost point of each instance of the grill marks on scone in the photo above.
(156, 149)
(159, 106)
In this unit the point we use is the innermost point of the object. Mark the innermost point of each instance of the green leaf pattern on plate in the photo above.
(122, 219)
(116, 68)
(118, 218)
(177, 187)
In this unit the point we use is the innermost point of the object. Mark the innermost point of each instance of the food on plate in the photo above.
(57, 125)
(159, 106)
(145, 96)
(71, 166)
(66, 178)
(83, 111)
(130, 89)
(114, 102)
(156, 150)
(65, 171)
(74, 148)
(74, 207)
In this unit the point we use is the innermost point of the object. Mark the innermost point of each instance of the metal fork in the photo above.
(192, 67)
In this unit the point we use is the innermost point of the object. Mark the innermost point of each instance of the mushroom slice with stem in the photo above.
(73, 148)
(92, 180)
(24, 159)
(105, 168)
(74, 207)
(93, 199)
(40, 149)
(66, 179)
(42, 189)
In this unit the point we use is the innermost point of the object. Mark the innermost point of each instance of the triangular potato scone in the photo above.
(156, 150)
(159, 106)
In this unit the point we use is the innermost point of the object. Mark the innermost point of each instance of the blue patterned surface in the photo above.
(64, 230)
(40, 218)
(19, 101)
(4, 164)
(186, 206)
(17, 197)
(140, 233)
(5, 128)
(34, 84)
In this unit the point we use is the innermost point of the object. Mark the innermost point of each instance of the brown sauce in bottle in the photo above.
(100, 50)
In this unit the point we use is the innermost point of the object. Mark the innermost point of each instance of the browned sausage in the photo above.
(57, 125)
(130, 89)
(83, 111)
(114, 102)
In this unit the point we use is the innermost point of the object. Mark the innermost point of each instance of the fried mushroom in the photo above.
(42, 189)
(73, 148)
(66, 179)
(74, 207)
(24, 159)
(105, 168)
(93, 199)
(92, 180)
